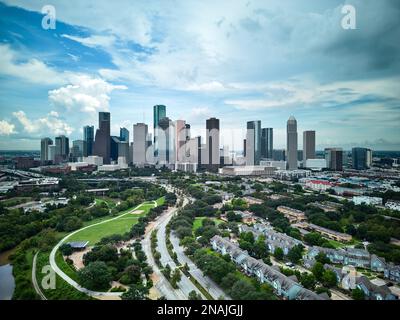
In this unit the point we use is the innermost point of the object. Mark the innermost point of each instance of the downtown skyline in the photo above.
(253, 63)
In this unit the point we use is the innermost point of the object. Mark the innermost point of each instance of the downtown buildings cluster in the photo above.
(171, 145)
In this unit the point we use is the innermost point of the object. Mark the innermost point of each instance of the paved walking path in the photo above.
(34, 280)
(65, 277)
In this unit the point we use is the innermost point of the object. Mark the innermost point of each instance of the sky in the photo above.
(235, 60)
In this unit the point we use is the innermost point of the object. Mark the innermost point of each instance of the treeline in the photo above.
(15, 225)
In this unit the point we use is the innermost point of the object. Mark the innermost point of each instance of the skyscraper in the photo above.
(291, 143)
(114, 144)
(253, 143)
(140, 133)
(180, 139)
(361, 158)
(78, 148)
(267, 143)
(212, 144)
(102, 142)
(308, 145)
(159, 112)
(88, 137)
(124, 135)
(334, 158)
(62, 146)
(166, 142)
(44, 149)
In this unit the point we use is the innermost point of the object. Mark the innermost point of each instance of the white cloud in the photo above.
(33, 70)
(306, 92)
(50, 124)
(92, 41)
(85, 94)
(6, 128)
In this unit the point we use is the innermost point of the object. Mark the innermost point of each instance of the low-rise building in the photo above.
(286, 287)
(331, 234)
(293, 215)
(392, 272)
(273, 239)
(247, 171)
(252, 200)
(373, 291)
(374, 201)
(393, 205)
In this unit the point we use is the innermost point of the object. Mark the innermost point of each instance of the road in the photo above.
(337, 295)
(162, 284)
(213, 289)
(185, 285)
(65, 277)
(34, 280)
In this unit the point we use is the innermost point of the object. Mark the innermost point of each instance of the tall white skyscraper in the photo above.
(253, 143)
(139, 143)
(291, 143)
(180, 139)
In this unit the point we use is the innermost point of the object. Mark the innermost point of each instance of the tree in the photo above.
(95, 276)
(194, 296)
(259, 249)
(295, 254)
(175, 278)
(322, 258)
(133, 272)
(278, 253)
(308, 281)
(66, 249)
(318, 271)
(167, 271)
(329, 279)
(232, 216)
(136, 292)
(358, 294)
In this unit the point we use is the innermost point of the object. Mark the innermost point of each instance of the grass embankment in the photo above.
(62, 290)
(198, 222)
(122, 224)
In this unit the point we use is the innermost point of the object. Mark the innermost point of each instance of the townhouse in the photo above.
(286, 287)
(359, 258)
(273, 239)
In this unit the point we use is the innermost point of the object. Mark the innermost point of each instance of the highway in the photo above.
(162, 284)
(185, 285)
(213, 289)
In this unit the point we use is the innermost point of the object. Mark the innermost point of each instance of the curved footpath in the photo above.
(65, 277)
(34, 280)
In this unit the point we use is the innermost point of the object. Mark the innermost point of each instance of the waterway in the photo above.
(7, 283)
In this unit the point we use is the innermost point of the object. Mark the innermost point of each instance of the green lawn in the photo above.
(121, 225)
(63, 290)
(199, 220)
(110, 203)
(160, 201)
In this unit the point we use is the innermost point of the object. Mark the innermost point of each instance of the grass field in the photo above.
(62, 291)
(121, 225)
(199, 220)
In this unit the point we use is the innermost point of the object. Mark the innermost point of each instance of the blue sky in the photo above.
(235, 60)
